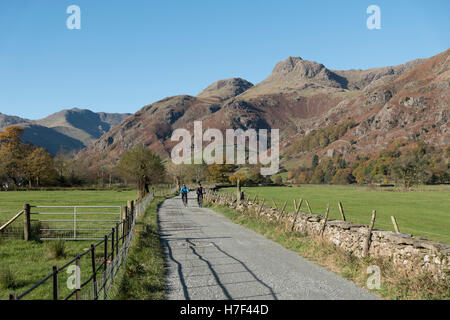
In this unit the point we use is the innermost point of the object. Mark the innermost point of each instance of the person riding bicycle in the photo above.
(184, 191)
(200, 193)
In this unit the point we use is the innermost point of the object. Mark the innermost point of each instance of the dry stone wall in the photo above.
(414, 255)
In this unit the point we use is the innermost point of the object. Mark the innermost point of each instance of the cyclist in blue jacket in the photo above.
(184, 191)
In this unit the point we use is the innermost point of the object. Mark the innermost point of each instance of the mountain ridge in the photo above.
(297, 97)
(68, 129)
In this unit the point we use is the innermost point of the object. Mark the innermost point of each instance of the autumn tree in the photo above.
(408, 171)
(220, 172)
(12, 155)
(143, 166)
(39, 167)
(238, 175)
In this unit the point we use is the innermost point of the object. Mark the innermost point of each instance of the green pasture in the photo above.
(424, 211)
(31, 261)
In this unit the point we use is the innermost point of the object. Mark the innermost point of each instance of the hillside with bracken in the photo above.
(364, 111)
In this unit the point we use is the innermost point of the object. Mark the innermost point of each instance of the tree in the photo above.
(343, 176)
(315, 162)
(407, 171)
(39, 167)
(177, 172)
(238, 175)
(197, 172)
(219, 172)
(143, 166)
(12, 154)
(277, 180)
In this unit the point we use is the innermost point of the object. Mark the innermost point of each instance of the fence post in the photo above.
(369, 234)
(341, 210)
(112, 248)
(325, 221)
(55, 283)
(94, 271)
(117, 239)
(261, 207)
(131, 206)
(309, 207)
(105, 266)
(282, 211)
(26, 222)
(275, 205)
(394, 222)
(238, 192)
(297, 211)
(124, 220)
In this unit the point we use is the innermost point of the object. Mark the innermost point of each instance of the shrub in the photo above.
(57, 249)
(7, 277)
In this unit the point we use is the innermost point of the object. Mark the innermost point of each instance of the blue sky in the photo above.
(132, 53)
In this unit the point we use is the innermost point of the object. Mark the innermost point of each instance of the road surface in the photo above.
(209, 257)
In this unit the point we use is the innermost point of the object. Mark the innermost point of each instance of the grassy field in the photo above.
(422, 212)
(29, 262)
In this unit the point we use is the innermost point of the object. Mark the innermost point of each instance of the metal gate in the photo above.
(74, 222)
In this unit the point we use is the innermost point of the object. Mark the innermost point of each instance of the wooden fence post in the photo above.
(282, 211)
(238, 192)
(26, 222)
(131, 206)
(275, 205)
(105, 266)
(124, 219)
(117, 239)
(325, 221)
(341, 210)
(394, 222)
(309, 207)
(297, 212)
(260, 208)
(112, 249)
(369, 234)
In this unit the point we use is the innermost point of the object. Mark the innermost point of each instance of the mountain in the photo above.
(68, 130)
(383, 104)
(225, 89)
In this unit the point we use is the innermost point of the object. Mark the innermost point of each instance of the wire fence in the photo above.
(96, 273)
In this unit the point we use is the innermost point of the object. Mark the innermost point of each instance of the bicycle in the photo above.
(185, 199)
(200, 200)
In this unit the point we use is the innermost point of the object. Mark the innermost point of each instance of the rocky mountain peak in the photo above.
(296, 68)
(226, 89)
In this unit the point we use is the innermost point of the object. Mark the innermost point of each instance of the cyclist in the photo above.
(200, 193)
(184, 191)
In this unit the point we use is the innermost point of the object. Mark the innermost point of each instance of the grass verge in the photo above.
(144, 269)
(393, 285)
